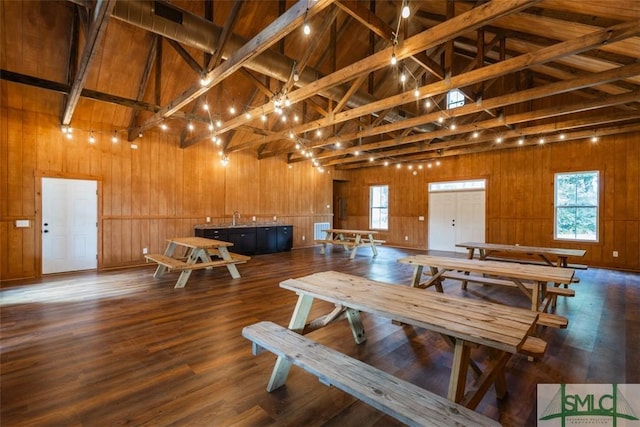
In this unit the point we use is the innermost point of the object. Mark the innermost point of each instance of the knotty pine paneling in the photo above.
(520, 196)
(147, 195)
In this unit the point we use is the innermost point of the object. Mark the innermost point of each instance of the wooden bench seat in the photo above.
(349, 243)
(402, 400)
(236, 257)
(552, 320)
(534, 262)
(553, 290)
(179, 265)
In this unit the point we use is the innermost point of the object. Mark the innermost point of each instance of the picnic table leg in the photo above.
(171, 248)
(355, 246)
(459, 366)
(357, 328)
(194, 255)
(470, 252)
(417, 274)
(233, 270)
(373, 245)
(298, 320)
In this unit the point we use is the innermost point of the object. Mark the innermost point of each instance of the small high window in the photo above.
(455, 98)
(576, 206)
(379, 207)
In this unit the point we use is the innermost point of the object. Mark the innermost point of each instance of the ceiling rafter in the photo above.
(144, 79)
(444, 149)
(422, 41)
(570, 47)
(101, 15)
(513, 119)
(500, 101)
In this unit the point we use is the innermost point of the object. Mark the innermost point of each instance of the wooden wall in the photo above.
(520, 195)
(146, 195)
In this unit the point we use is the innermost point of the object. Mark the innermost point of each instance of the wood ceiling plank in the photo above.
(101, 16)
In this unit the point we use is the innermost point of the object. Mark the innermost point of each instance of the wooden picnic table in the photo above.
(561, 255)
(350, 240)
(462, 322)
(532, 280)
(197, 249)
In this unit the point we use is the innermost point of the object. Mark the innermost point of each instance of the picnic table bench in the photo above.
(462, 322)
(400, 399)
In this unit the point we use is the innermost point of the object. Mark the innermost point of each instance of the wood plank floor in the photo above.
(122, 348)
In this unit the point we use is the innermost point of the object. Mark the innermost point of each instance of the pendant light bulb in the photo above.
(405, 11)
(394, 60)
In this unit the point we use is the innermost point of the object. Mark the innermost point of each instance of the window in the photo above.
(448, 186)
(576, 202)
(455, 98)
(379, 207)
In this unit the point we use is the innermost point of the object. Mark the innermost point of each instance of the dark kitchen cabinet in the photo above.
(266, 240)
(243, 239)
(284, 237)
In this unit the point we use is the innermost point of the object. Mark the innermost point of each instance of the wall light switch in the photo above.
(22, 223)
(615, 254)
(420, 218)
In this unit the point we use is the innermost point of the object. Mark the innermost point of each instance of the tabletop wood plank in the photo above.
(198, 242)
(524, 249)
(498, 268)
(347, 231)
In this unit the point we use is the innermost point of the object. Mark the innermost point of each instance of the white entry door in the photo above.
(69, 225)
(456, 217)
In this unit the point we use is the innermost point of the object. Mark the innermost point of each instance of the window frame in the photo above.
(380, 208)
(459, 102)
(557, 207)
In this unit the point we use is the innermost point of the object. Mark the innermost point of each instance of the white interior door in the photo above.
(69, 225)
(455, 217)
(470, 217)
(442, 221)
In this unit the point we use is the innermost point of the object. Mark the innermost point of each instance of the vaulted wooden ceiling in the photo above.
(529, 70)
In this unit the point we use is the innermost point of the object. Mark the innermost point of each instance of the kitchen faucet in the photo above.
(236, 214)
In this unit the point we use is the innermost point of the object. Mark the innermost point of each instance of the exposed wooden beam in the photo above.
(367, 18)
(354, 87)
(254, 47)
(144, 80)
(425, 40)
(497, 102)
(618, 32)
(488, 146)
(325, 26)
(101, 16)
(191, 62)
(487, 126)
(89, 94)
(232, 17)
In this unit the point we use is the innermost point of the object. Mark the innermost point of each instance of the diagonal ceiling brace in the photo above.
(101, 16)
